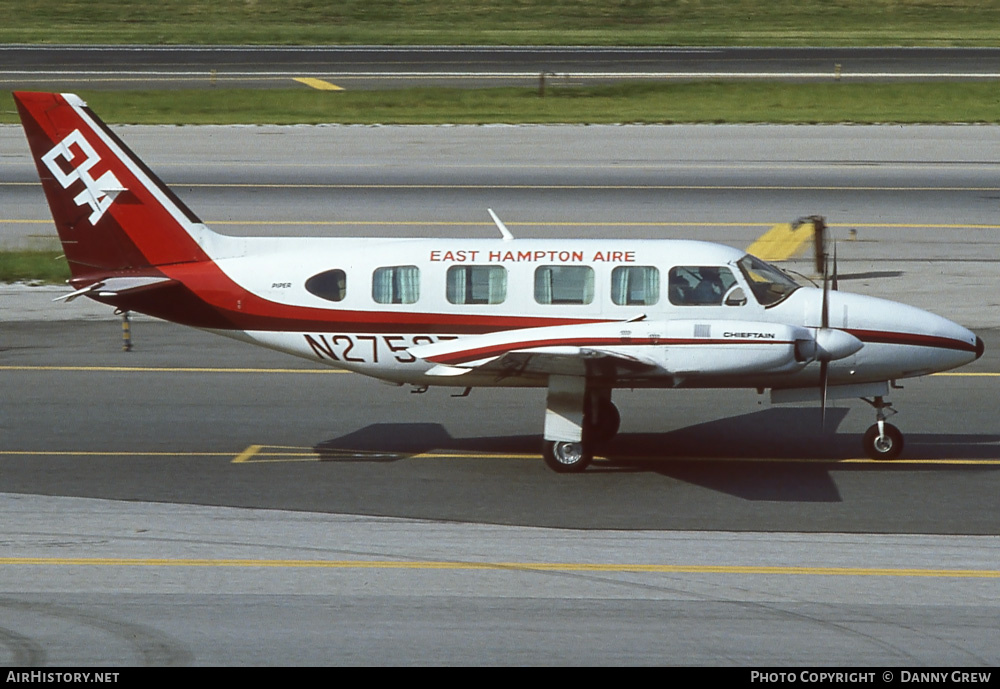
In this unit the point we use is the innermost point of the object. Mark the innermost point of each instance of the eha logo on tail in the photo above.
(99, 193)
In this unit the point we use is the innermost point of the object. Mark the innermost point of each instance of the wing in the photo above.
(591, 349)
(626, 350)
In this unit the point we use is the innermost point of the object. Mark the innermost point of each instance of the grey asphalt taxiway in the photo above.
(200, 501)
(375, 67)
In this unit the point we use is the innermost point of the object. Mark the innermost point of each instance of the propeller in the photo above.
(828, 344)
(824, 361)
(831, 343)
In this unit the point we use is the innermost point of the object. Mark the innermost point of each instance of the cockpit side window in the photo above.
(699, 285)
(769, 284)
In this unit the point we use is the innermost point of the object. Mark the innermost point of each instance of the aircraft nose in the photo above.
(980, 347)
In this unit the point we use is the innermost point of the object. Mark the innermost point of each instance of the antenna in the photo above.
(507, 236)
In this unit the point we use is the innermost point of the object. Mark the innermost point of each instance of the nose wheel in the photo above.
(882, 440)
(884, 443)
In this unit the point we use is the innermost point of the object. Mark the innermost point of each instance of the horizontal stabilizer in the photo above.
(112, 287)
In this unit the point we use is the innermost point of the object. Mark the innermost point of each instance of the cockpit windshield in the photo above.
(769, 284)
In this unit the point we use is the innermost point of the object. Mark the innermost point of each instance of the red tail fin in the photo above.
(111, 211)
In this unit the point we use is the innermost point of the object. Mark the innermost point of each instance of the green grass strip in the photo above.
(722, 102)
(48, 267)
(702, 102)
(505, 22)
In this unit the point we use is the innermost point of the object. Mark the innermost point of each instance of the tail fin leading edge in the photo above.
(111, 212)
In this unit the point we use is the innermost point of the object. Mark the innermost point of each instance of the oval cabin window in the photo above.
(330, 285)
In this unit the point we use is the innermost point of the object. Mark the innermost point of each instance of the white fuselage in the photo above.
(363, 326)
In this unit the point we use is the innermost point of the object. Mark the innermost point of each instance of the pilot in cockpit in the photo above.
(709, 289)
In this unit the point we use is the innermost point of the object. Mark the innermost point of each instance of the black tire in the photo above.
(567, 458)
(606, 425)
(888, 447)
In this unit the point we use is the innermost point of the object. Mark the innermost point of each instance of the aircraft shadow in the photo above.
(776, 454)
(390, 442)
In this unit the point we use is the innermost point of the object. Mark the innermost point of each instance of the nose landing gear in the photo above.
(882, 440)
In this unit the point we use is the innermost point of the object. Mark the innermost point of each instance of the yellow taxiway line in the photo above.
(107, 453)
(273, 457)
(268, 454)
(527, 224)
(168, 369)
(781, 242)
(274, 454)
(318, 84)
(504, 566)
(967, 375)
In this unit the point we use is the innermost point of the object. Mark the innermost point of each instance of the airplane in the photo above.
(579, 317)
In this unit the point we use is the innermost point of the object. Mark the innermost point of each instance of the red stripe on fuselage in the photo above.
(912, 339)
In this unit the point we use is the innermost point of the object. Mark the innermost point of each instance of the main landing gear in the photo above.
(567, 457)
(577, 419)
(882, 440)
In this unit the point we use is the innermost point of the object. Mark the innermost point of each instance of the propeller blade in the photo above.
(836, 286)
(826, 294)
(824, 379)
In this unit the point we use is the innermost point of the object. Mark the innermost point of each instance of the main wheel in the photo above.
(887, 447)
(566, 458)
(606, 425)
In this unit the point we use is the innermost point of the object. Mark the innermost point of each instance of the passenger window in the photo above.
(396, 285)
(330, 285)
(476, 284)
(564, 284)
(635, 285)
(700, 286)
